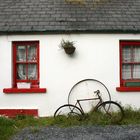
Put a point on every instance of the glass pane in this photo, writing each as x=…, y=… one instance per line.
x=21, y=72
x=136, y=72
x=21, y=53
x=126, y=54
x=32, y=72
x=136, y=54
x=126, y=72
x=32, y=53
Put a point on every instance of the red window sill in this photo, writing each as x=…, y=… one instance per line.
x=128, y=89
x=25, y=90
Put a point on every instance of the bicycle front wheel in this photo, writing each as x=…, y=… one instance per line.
x=84, y=89
x=111, y=111
x=68, y=111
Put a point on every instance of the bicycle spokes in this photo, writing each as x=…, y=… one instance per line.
x=111, y=111
x=67, y=110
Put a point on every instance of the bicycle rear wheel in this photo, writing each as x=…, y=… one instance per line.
x=111, y=111
x=68, y=111
x=84, y=89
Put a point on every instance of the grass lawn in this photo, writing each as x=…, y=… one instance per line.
x=9, y=127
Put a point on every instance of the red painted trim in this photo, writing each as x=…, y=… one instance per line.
x=14, y=65
x=15, y=112
x=124, y=43
x=130, y=42
x=15, y=62
x=128, y=89
x=38, y=61
x=121, y=64
x=31, y=90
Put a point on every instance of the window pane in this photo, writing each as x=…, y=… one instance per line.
x=32, y=53
x=126, y=72
x=32, y=71
x=126, y=54
x=136, y=54
x=21, y=53
x=21, y=72
x=136, y=72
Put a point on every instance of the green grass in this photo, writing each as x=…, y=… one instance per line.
x=9, y=127
x=132, y=116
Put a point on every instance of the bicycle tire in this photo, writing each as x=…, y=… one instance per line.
x=79, y=89
x=112, y=111
x=71, y=110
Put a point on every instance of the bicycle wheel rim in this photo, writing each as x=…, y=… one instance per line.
x=67, y=109
x=111, y=111
x=90, y=85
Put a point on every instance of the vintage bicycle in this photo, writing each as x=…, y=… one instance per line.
x=82, y=100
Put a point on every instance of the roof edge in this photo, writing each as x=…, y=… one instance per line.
x=70, y=32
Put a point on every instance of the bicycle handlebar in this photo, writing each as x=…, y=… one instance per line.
x=97, y=92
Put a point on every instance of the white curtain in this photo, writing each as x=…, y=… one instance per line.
x=130, y=71
x=136, y=72
x=126, y=54
x=32, y=68
x=32, y=53
x=21, y=71
x=126, y=71
x=136, y=54
x=21, y=53
x=32, y=71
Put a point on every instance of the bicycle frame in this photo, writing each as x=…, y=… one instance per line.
x=88, y=99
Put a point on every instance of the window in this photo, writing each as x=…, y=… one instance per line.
x=25, y=67
x=129, y=66
x=26, y=63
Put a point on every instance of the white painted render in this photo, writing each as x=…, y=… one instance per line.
x=96, y=56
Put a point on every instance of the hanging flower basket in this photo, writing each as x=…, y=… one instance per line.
x=69, y=50
x=68, y=46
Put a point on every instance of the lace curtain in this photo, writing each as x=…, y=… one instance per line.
x=21, y=53
x=23, y=74
x=131, y=54
x=32, y=52
x=26, y=71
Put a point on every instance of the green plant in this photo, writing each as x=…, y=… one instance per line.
x=68, y=46
x=131, y=116
x=34, y=129
x=7, y=128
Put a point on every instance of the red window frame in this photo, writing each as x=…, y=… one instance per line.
x=34, y=83
x=123, y=87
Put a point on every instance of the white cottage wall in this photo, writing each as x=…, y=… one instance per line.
x=96, y=56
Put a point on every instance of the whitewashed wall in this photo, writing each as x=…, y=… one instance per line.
x=96, y=56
